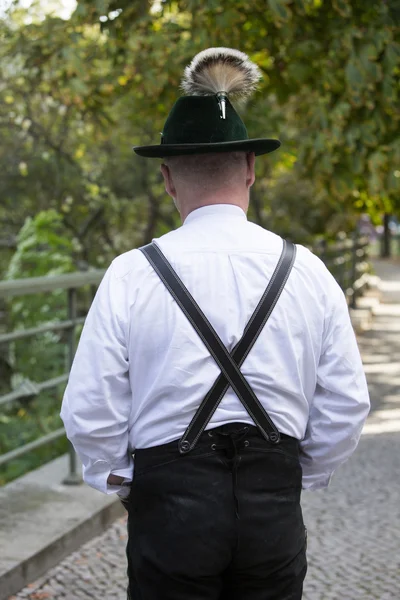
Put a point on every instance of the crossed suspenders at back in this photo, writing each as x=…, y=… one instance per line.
x=228, y=363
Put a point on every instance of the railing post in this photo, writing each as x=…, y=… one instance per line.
x=386, y=237
x=320, y=249
x=72, y=314
x=73, y=477
x=354, y=256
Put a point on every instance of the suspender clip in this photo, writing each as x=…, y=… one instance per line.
x=274, y=437
x=184, y=447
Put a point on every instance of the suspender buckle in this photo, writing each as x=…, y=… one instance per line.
x=184, y=446
x=274, y=437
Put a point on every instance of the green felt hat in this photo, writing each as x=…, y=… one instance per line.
x=205, y=120
x=195, y=126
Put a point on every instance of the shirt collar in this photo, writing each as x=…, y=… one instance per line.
x=224, y=210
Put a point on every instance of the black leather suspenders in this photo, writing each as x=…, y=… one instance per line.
x=228, y=363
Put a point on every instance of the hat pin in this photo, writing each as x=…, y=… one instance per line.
x=222, y=96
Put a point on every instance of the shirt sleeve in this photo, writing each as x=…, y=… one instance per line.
x=341, y=401
x=97, y=401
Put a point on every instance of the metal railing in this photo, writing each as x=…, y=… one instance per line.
x=29, y=389
x=346, y=258
x=393, y=246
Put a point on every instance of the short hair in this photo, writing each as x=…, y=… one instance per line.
x=208, y=171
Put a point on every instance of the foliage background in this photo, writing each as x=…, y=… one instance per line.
x=77, y=93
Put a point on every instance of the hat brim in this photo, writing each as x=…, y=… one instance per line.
x=258, y=146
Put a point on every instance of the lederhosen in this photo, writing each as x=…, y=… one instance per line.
x=173, y=471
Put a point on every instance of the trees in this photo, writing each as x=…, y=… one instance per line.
x=331, y=77
x=62, y=146
x=77, y=94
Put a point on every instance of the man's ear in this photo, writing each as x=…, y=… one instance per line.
x=251, y=162
x=169, y=184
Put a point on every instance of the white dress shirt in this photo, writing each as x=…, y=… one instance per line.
x=141, y=370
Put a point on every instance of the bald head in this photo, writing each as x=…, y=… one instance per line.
x=203, y=179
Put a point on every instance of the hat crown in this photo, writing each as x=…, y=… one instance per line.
x=204, y=120
x=198, y=120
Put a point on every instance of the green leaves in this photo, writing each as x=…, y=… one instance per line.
x=392, y=55
x=343, y=7
x=92, y=90
x=43, y=248
x=280, y=9
x=354, y=75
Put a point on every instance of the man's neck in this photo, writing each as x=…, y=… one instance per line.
x=186, y=207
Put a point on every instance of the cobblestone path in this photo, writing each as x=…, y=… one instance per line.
x=354, y=540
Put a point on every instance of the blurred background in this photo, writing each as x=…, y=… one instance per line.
x=81, y=82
